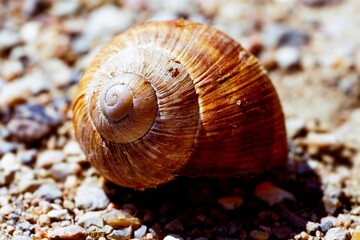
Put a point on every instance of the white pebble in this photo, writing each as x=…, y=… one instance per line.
x=287, y=56
x=104, y=22
x=30, y=31
x=9, y=38
x=57, y=72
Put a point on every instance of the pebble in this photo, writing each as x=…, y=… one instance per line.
x=64, y=8
x=287, y=57
x=119, y=218
x=38, y=112
x=174, y=226
x=8, y=38
x=312, y=227
x=60, y=171
x=326, y=226
x=173, y=237
x=294, y=126
x=272, y=194
x=91, y=198
x=230, y=203
x=48, y=158
x=72, y=232
x=30, y=31
x=49, y=192
x=6, y=147
x=293, y=37
x=9, y=163
x=259, y=235
x=59, y=214
x=22, y=238
x=43, y=220
x=95, y=232
x=107, y=20
x=28, y=156
x=91, y=219
x=14, y=92
x=337, y=234
x=28, y=130
x=57, y=72
x=11, y=69
x=140, y=232
x=121, y=234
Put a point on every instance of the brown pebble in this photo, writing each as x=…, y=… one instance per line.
x=72, y=232
x=118, y=218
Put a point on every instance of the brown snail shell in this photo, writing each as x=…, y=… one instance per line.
x=177, y=98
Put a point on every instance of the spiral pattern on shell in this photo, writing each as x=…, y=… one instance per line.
x=177, y=98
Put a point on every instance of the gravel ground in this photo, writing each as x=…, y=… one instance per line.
x=311, y=49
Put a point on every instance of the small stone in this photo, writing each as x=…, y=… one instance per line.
x=49, y=192
x=8, y=38
x=337, y=234
x=11, y=69
x=140, y=232
x=121, y=234
x=95, y=232
x=106, y=21
x=64, y=8
x=230, y=203
x=72, y=148
x=48, y=158
x=174, y=226
x=28, y=156
x=91, y=219
x=59, y=214
x=30, y=31
x=60, y=171
x=173, y=237
x=22, y=238
x=91, y=198
x=312, y=227
x=326, y=226
x=6, y=147
x=287, y=57
x=57, y=71
x=9, y=163
x=118, y=218
x=294, y=126
x=259, y=235
x=293, y=37
x=272, y=194
x=28, y=130
x=72, y=232
x=43, y=220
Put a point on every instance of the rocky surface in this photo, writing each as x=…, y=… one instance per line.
x=311, y=49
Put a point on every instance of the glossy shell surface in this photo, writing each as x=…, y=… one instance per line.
x=202, y=106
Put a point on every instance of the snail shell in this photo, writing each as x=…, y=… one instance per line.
x=177, y=98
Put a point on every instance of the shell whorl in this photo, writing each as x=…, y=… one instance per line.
x=116, y=101
x=186, y=82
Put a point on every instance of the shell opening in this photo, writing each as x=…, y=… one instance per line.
x=116, y=101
